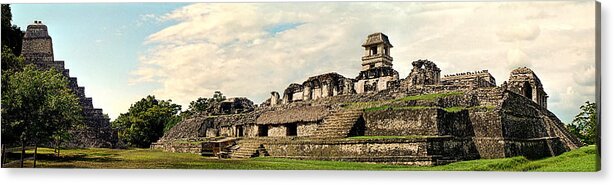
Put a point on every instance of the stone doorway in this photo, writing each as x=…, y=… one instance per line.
x=263, y=131
x=527, y=90
x=240, y=131
x=291, y=129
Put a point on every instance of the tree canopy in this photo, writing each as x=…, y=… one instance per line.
x=12, y=35
x=202, y=104
x=146, y=121
x=37, y=105
x=584, y=125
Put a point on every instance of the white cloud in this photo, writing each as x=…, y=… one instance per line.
x=231, y=47
x=518, y=32
x=517, y=58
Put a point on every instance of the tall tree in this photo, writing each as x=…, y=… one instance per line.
x=146, y=120
x=37, y=105
x=584, y=125
x=12, y=35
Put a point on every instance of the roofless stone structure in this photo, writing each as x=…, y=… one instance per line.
x=423, y=119
x=37, y=49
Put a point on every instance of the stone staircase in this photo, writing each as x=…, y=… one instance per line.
x=338, y=124
x=247, y=148
x=490, y=96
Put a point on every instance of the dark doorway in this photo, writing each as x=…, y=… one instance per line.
x=359, y=127
x=528, y=91
x=263, y=131
x=240, y=131
x=291, y=129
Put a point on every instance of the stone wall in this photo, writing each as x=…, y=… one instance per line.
x=525, y=118
x=277, y=131
x=473, y=79
x=179, y=146
x=395, y=151
x=251, y=130
x=401, y=122
x=228, y=131
x=421, y=122
x=307, y=129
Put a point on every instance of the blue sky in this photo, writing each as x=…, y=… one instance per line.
x=99, y=43
x=123, y=52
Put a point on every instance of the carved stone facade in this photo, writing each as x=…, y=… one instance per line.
x=424, y=72
x=470, y=79
x=37, y=49
x=523, y=81
x=316, y=87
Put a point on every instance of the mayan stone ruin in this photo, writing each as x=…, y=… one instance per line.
x=37, y=49
x=423, y=119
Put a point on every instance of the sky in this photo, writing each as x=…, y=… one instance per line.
x=182, y=51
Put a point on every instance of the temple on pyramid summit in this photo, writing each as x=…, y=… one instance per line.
x=37, y=49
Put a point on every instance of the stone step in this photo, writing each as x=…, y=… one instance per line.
x=345, y=115
x=338, y=124
x=339, y=121
x=247, y=148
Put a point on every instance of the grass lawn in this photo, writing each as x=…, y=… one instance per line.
x=582, y=159
x=381, y=105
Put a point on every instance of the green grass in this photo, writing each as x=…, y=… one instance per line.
x=382, y=105
x=386, y=107
x=582, y=159
x=433, y=96
x=447, y=109
x=454, y=109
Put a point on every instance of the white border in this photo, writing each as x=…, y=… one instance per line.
x=193, y=177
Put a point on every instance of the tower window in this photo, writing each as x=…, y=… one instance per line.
x=374, y=50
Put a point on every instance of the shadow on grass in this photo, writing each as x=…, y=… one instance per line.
x=94, y=157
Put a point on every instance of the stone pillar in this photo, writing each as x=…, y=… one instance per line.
x=325, y=90
x=286, y=99
x=307, y=92
x=274, y=98
x=360, y=86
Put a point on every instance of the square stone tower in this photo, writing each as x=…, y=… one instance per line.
x=377, y=73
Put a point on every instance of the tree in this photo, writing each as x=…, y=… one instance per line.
x=12, y=35
x=36, y=105
x=146, y=120
x=203, y=104
x=11, y=62
x=10, y=65
x=218, y=96
x=584, y=125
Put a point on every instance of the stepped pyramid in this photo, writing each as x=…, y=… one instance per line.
x=37, y=49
